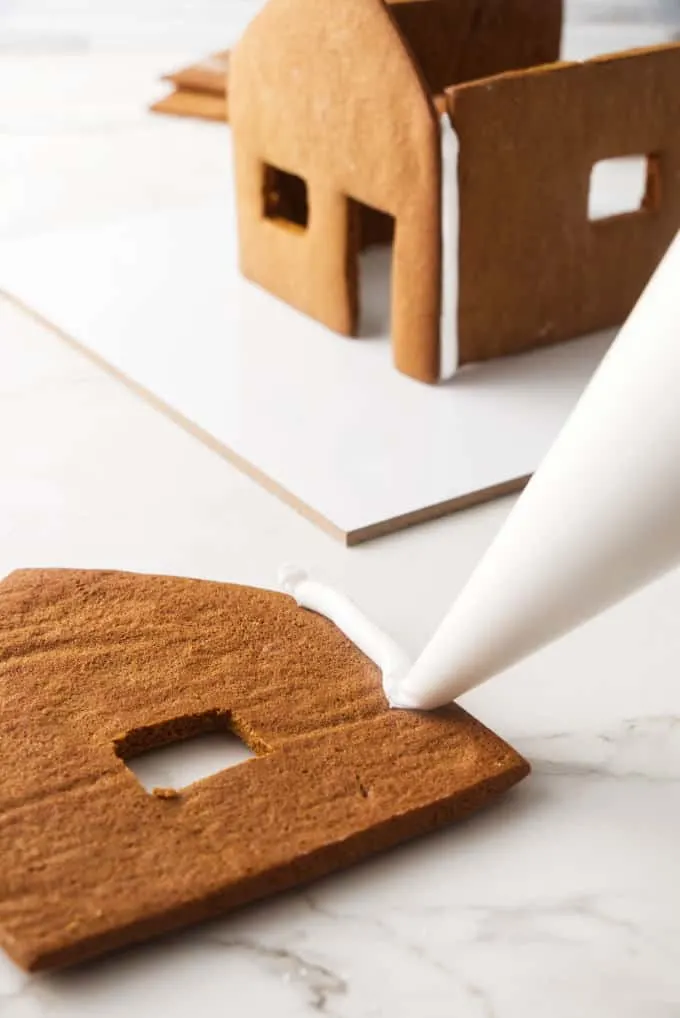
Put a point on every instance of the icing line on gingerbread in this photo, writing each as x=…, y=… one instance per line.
x=351, y=620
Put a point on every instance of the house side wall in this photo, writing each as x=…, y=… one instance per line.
x=534, y=269
x=459, y=40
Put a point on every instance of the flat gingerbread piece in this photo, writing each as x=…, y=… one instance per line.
x=97, y=666
x=185, y=103
x=200, y=90
x=207, y=75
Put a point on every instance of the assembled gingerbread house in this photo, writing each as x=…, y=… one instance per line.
x=446, y=129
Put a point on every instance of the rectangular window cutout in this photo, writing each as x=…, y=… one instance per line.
x=168, y=757
x=621, y=186
x=285, y=198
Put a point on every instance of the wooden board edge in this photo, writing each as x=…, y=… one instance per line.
x=435, y=512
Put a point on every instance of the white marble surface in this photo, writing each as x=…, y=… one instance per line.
x=564, y=900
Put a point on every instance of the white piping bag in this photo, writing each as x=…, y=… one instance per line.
x=599, y=519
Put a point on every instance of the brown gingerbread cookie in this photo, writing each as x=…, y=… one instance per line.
x=200, y=89
x=325, y=98
x=534, y=268
x=459, y=40
x=95, y=667
x=337, y=103
x=185, y=103
x=206, y=75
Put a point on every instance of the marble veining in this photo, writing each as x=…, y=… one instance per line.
x=318, y=984
x=647, y=748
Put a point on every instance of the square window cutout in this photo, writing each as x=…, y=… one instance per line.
x=285, y=198
x=172, y=765
x=621, y=186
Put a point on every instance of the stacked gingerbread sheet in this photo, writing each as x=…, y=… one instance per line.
x=200, y=90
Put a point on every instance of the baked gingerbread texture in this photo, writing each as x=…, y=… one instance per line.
x=337, y=113
x=183, y=102
x=200, y=90
x=528, y=144
x=208, y=75
x=331, y=95
x=96, y=667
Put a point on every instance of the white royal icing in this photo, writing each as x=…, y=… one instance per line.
x=376, y=645
x=450, y=212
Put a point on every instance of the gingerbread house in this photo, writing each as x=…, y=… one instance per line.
x=447, y=129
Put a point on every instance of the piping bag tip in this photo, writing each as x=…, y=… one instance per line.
x=401, y=698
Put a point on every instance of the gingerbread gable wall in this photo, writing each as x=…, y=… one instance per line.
x=97, y=666
x=328, y=92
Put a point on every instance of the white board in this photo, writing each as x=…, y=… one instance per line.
x=325, y=422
